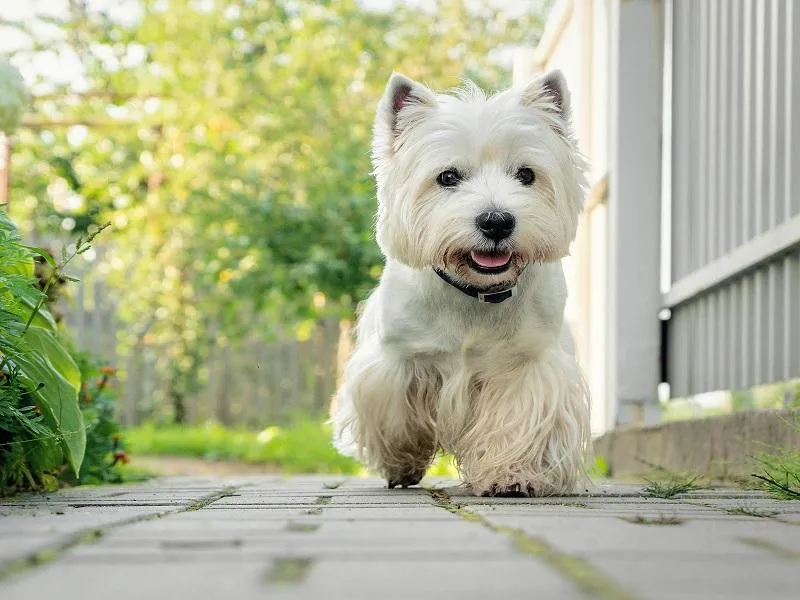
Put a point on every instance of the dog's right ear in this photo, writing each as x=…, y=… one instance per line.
x=403, y=103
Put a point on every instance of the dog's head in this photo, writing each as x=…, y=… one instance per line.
x=478, y=186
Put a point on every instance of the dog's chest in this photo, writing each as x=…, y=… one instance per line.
x=452, y=340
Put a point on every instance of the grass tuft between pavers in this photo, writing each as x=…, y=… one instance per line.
x=750, y=511
x=772, y=548
x=660, y=520
x=302, y=527
x=672, y=485
x=288, y=571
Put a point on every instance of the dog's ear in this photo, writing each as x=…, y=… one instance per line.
x=549, y=91
x=403, y=94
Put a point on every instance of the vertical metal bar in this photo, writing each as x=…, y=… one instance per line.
x=710, y=129
x=777, y=113
x=746, y=337
x=761, y=327
x=667, y=134
x=678, y=353
x=722, y=379
x=792, y=325
x=761, y=188
x=702, y=201
x=747, y=121
x=735, y=328
x=722, y=217
x=711, y=341
x=734, y=126
x=775, y=317
x=681, y=130
x=792, y=125
x=698, y=339
x=757, y=327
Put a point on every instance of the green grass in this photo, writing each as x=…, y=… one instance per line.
x=671, y=485
x=751, y=511
x=780, y=470
x=303, y=447
x=780, y=474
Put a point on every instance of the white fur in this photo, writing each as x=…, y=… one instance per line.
x=434, y=368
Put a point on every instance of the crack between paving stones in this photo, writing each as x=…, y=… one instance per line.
x=578, y=571
x=771, y=547
x=50, y=553
x=746, y=511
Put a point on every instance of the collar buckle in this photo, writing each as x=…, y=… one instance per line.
x=497, y=297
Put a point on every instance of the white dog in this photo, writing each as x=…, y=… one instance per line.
x=462, y=345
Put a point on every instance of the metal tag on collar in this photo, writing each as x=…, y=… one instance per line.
x=493, y=297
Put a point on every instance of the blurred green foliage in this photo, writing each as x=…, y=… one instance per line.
x=228, y=143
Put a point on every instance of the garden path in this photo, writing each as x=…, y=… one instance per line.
x=343, y=538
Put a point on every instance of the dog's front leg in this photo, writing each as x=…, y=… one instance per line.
x=386, y=411
x=527, y=429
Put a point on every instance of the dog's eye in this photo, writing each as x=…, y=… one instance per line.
x=526, y=176
x=449, y=178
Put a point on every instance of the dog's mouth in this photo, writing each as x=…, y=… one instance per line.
x=489, y=262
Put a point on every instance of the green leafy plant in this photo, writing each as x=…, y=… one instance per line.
x=29, y=450
x=104, y=454
x=42, y=424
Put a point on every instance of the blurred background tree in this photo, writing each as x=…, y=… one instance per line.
x=228, y=144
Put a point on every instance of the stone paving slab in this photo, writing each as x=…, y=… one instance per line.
x=331, y=537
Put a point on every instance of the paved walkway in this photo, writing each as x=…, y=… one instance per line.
x=351, y=539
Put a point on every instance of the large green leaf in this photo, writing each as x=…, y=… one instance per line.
x=53, y=378
x=30, y=296
x=48, y=344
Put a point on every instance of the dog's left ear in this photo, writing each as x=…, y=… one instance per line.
x=549, y=91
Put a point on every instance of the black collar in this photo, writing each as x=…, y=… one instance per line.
x=482, y=296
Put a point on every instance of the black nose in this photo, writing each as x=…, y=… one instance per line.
x=496, y=225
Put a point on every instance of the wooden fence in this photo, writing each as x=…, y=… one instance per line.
x=253, y=382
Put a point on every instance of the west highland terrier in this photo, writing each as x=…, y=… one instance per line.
x=462, y=346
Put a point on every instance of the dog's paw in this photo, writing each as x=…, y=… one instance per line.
x=515, y=490
x=405, y=480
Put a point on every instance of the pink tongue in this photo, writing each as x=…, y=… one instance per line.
x=490, y=260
